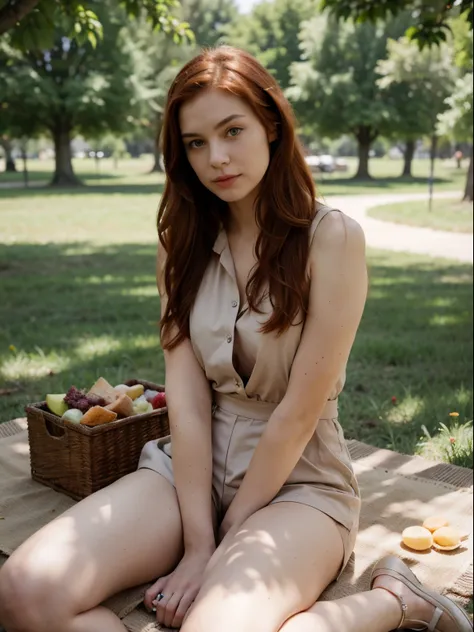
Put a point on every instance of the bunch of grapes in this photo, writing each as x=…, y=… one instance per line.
x=79, y=399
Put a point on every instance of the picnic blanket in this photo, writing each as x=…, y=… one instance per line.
x=397, y=491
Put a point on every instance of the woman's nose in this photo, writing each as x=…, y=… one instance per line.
x=218, y=155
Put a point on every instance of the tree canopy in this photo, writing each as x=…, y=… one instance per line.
x=32, y=23
x=431, y=19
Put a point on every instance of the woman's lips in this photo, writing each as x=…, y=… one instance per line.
x=228, y=182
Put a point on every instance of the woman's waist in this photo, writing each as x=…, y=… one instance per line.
x=258, y=409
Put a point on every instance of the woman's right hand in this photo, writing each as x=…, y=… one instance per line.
x=179, y=588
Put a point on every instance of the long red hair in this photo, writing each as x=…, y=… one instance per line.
x=190, y=216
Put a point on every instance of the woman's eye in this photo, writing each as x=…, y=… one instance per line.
x=194, y=144
x=234, y=131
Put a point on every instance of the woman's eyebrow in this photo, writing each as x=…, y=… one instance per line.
x=220, y=124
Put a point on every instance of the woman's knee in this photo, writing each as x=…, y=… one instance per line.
x=30, y=600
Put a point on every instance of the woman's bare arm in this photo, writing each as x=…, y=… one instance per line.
x=188, y=396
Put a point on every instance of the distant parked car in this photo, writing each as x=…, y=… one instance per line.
x=326, y=164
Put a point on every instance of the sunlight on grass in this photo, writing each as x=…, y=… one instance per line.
x=444, y=319
x=23, y=365
x=140, y=291
x=449, y=215
x=405, y=410
x=95, y=346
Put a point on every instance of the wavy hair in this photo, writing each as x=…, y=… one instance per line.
x=190, y=216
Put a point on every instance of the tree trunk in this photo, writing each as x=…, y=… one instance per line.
x=63, y=174
x=9, y=161
x=365, y=138
x=157, y=166
x=433, y=148
x=25, y=165
x=408, y=154
x=157, y=153
x=468, y=189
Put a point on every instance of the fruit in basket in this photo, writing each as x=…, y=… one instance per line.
x=141, y=406
x=135, y=391
x=74, y=415
x=98, y=415
x=56, y=403
x=121, y=388
x=76, y=398
x=159, y=401
x=104, y=390
x=123, y=406
x=150, y=394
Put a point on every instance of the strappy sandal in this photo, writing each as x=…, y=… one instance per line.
x=456, y=619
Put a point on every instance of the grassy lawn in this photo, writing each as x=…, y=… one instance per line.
x=385, y=173
x=79, y=301
x=452, y=215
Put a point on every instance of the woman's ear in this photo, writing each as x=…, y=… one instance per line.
x=273, y=134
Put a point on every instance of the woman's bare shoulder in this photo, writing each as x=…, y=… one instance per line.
x=336, y=230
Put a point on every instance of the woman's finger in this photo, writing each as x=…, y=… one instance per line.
x=170, y=609
x=161, y=604
x=183, y=609
x=153, y=591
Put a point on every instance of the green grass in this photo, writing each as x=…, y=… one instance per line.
x=451, y=215
x=134, y=173
x=79, y=301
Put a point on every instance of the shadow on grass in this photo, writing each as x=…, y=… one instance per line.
x=128, y=189
x=376, y=183
x=71, y=317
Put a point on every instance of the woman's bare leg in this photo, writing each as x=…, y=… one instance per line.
x=122, y=536
x=275, y=565
x=378, y=610
x=372, y=611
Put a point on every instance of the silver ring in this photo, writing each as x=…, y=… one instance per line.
x=158, y=597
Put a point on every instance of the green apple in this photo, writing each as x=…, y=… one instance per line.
x=73, y=414
x=56, y=403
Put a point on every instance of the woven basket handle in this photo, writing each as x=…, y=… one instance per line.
x=54, y=429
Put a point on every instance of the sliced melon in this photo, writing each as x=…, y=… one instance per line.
x=56, y=403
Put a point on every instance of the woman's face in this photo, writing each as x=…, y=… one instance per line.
x=223, y=138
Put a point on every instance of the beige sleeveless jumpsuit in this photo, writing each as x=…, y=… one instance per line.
x=249, y=372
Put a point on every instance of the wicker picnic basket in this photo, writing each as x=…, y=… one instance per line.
x=78, y=460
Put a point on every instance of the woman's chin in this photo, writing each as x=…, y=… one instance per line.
x=230, y=196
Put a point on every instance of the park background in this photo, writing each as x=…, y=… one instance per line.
x=387, y=91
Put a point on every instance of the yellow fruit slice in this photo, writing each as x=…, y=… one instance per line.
x=135, y=391
x=56, y=403
x=417, y=538
x=435, y=522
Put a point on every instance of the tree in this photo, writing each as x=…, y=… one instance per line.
x=15, y=121
x=158, y=59
x=457, y=121
x=431, y=18
x=32, y=24
x=73, y=88
x=417, y=82
x=433, y=23
x=270, y=32
x=336, y=91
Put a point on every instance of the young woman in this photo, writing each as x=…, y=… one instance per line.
x=252, y=508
